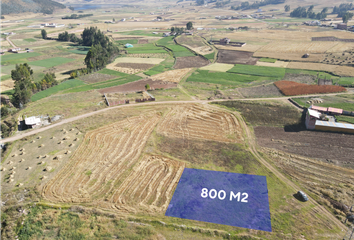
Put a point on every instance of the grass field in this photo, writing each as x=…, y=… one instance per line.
x=142, y=32
x=273, y=72
x=219, y=67
x=227, y=79
x=79, y=50
x=210, y=56
x=30, y=40
x=13, y=57
x=178, y=51
x=311, y=72
x=163, y=66
x=145, y=48
x=112, y=72
x=346, y=81
x=105, y=84
x=63, y=86
x=51, y=62
x=271, y=60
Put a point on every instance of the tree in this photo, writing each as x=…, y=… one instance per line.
x=287, y=8
x=324, y=10
x=147, y=87
x=23, y=84
x=310, y=8
x=44, y=34
x=172, y=29
x=189, y=25
x=347, y=16
x=114, y=20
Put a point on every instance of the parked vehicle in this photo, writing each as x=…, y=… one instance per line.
x=303, y=196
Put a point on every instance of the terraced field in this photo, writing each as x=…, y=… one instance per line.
x=198, y=122
x=106, y=170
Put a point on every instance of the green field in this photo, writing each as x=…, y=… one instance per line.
x=105, y=84
x=114, y=73
x=310, y=72
x=63, y=86
x=227, y=79
x=30, y=40
x=210, y=56
x=143, y=33
x=145, y=48
x=166, y=41
x=346, y=81
x=163, y=66
x=51, y=62
x=79, y=50
x=271, y=60
x=11, y=57
x=273, y=72
x=5, y=77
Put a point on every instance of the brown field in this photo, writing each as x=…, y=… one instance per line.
x=196, y=122
x=339, y=70
x=294, y=47
x=139, y=66
x=234, y=57
x=189, y=62
x=138, y=86
x=330, y=185
x=290, y=88
x=325, y=146
x=7, y=85
x=247, y=48
x=96, y=77
x=268, y=90
x=290, y=56
x=106, y=170
x=174, y=76
x=278, y=63
x=195, y=43
x=143, y=41
x=147, y=55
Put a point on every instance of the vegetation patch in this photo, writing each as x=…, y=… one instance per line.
x=63, y=86
x=145, y=48
x=51, y=62
x=13, y=56
x=271, y=60
x=273, y=72
x=210, y=56
x=223, y=78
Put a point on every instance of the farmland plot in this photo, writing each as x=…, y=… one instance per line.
x=294, y=47
x=289, y=88
x=188, y=62
x=218, y=67
x=233, y=57
x=195, y=43
x=106, y=170
x=171, y=76
x=196, y=122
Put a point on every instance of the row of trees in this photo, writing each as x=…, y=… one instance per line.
x=257, y=4
x=77, y=16
x=66, y=37
x=24, y=85
x=301, y=12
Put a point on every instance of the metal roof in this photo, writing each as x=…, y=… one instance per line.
x=323, y=109
x=32, y=120
x=334, y=124
x=314, y=113
x=335, y=110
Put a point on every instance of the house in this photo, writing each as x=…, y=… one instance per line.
x=224, y=41
x=311, y=117
x=334, y=126
x=166, y=34
x=319, y=109
x=14, y=50
x=128, y=45
x=342, y=26
x=189, y=33
x=32, y=122
x=325, y=82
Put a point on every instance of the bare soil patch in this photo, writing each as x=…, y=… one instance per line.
x=143, y=41
x=332, y=39
x=96, y=77
x=260, y=91
x=138, y=86
x=140, y=66
x=171, y=76
x=189, y=62
x=234, y=57
x=325, y=146
x=300, y=78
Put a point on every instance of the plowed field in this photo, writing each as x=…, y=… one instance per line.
x=234, y=57
x=290, y=88
x=188, y=62
x=106, y=170
x=198, y=122
x=171, y=76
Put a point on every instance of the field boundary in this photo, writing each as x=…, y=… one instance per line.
x=197, y=54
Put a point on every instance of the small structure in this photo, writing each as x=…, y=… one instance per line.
x=311, y=117
x=342, y=26
x=306, y=55
x=166, y=34
x=32, y=122
x=224, y=41
x=334, y=111
x=14, y=50
x=128, y=45
x=334, y=126
x=325, y=82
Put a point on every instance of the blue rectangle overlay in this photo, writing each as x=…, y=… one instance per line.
x=239, y=200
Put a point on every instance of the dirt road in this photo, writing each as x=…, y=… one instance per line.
x=11, y=43
x=22, y=135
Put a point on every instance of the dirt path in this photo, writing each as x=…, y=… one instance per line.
x=22, y=135
x=11, y=43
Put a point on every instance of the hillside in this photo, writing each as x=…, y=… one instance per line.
x=18, y=6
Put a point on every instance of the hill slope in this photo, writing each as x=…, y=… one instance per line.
x=18, y=6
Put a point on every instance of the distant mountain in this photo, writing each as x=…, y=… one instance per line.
x=19, y=6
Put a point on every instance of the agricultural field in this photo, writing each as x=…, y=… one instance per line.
x=289, y=88
x=263, y=91
x=236, y=57
x=218, y=67
x=96, y=77
x=190, y=62
x=174, y=76
x=272, y=72
x=195, y=43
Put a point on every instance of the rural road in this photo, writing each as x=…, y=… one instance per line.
x=68, y=120
x=11, y=43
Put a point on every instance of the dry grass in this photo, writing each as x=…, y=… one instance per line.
x=276, y=64
x=290, y=56
x=248, y=47
x=298, y=47
x=218, y=67
x=7, y=85
x=171, y=76
x=112, y=65
x=339, y=70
